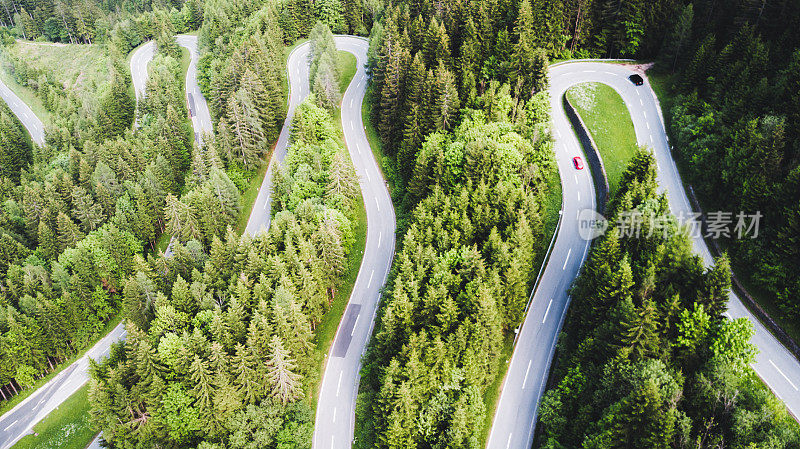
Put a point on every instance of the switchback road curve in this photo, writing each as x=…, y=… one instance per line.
x=20, y=420
x=515, y=417
x=196, y=103
x=336, y=405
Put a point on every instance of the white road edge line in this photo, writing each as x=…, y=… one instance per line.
x=784, y=375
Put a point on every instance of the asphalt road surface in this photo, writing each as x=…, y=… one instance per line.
x=515, y=417
x=19, y=421
x=196, y=103
x=139, y=60
x=297, y=67
x=24, y=113
x=335, y=418
x=198, y=108
x=336, y=407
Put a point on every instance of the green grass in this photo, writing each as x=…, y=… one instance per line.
x=83, y=69
x=26, y=94
x=610, y=125
x=346, y=64
x=66, y=427
x=248, y=197
x=186, y=59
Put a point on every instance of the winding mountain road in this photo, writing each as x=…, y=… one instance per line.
x=24, y=113
x=336, y=405
x=196, y=103
x=19, y=421
x=515, y=417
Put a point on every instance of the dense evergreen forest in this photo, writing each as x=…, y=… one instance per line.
x=736, y=124
x=220, y=356
x=77, y=221
x=219, y=334
x=91, y=21
x=648, y=359
x=462, y=275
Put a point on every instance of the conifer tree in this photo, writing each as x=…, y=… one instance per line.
x=285, y=383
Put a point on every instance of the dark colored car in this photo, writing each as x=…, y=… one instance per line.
x=578, y=163
x=636, y=79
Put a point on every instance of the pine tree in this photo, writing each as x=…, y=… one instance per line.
x=117, y=107
x=530, y=62
x=447, y=102
x=285, y=383
x=245, y=129
x=48, y=242
x=246, y=378
x=15, y=150
x=68, y=233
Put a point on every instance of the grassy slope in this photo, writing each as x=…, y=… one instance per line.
x=67, y=427
x=26, y=94
x=662, y=87
x=346, y=64
x=81, y=68
x=609, y=122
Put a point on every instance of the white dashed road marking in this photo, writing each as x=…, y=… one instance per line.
x=547, y=311
x=525, y=380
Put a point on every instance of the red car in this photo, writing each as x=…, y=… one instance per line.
x=578, y=163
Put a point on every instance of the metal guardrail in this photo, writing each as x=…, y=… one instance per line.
x=541, y=269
